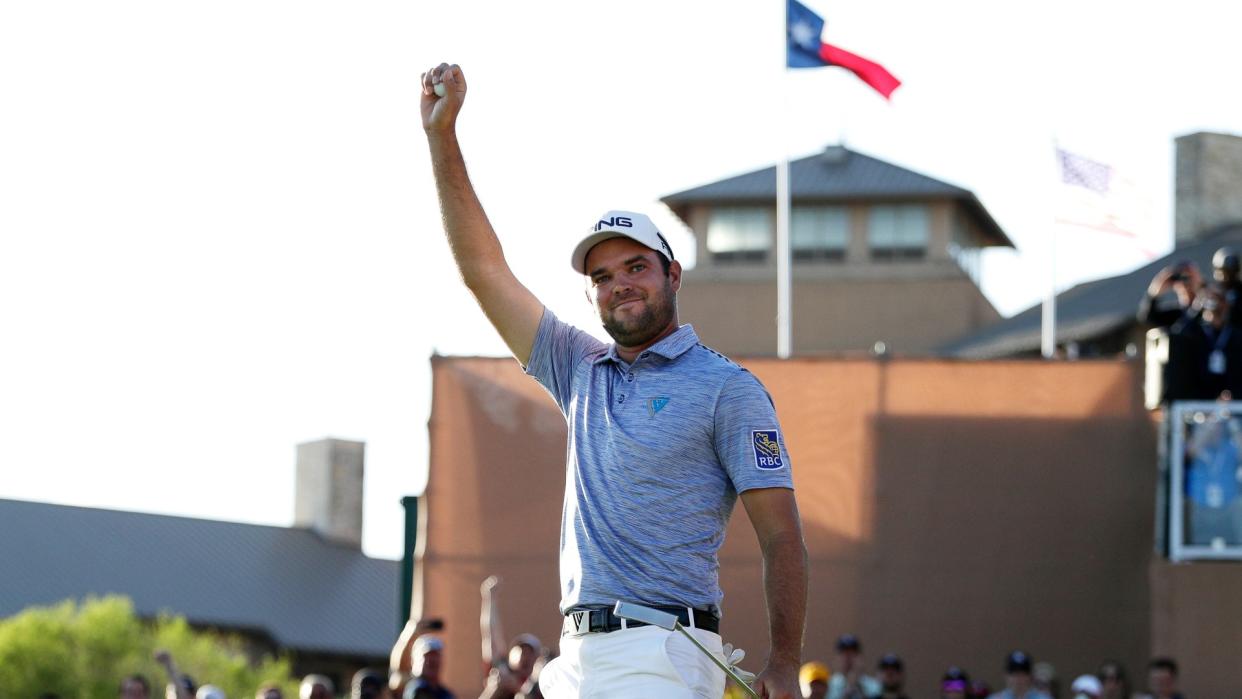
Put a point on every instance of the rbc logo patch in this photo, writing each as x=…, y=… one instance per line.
x=767, y=444
x=657, y=404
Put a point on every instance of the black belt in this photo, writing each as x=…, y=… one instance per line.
x=584, y=621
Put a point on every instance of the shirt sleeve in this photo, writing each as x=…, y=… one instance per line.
x=748, y=438
x=559, y=348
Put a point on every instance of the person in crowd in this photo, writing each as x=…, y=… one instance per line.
x=1114, y=683
x=1184, y=280
x=1217, y=349
x=269, y=690
x=955, y=684
x=316, y=687
x=511, y=667
x=1086, y=687
x=1019, y=684
x=1162, y=679
x=1044, y=679
x=401, y=659
x=428, y=664
x=1225, y=266
x=1182, y=377
x=368, y=683
x=1213, y=492
x=892, y=673
x=849, y=681
x=134, y=687
x=180, y=685
x=813, y=679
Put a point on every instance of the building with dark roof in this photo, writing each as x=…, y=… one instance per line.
x=306, y=590
x=1099, y=318
x=880, y=253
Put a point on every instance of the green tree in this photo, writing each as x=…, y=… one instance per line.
x=83, y=651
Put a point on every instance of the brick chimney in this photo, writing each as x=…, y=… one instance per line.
x=328, y=493
x=1208, y=182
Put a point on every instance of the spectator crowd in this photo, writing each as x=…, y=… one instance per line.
x=1023, y=679
x=511, y=671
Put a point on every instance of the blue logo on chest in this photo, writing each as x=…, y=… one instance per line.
x=657, y=404
x=767, y=445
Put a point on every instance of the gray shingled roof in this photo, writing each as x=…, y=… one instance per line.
x=1090, y=309
x=307, y=594
x=837, y=174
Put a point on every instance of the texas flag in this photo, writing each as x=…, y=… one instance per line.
x=804, y=49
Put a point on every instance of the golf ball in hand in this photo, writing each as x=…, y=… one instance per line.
x=440, y=89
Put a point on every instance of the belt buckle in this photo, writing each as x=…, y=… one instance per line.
x=577, y=623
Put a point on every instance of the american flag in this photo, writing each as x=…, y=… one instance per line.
x=1084, y=172
x=1097, y=196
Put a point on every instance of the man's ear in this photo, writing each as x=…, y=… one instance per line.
x=674, y=275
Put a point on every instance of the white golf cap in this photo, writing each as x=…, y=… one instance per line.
x=1088, y=685
x=210, y=691
x=620, y=224
x=426, y=644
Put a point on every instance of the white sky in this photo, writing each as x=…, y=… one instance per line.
x=219, y=237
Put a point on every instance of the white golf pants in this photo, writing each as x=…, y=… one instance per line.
x=644, y=663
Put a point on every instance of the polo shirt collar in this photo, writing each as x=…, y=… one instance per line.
x=671, y=347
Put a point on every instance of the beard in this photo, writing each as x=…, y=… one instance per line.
x=634, y=330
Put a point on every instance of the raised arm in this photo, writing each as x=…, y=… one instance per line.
x=774, y=514
x=511, y=308
x=165, y=659
x=494, y=651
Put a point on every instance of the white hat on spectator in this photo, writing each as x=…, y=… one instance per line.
x=1087, y=687
x=210, y=691
x=427, y=643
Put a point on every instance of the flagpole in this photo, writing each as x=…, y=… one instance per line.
x=784, y=282
x=1048, y=341
x=1048, y=344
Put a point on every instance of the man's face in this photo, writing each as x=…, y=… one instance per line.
x=522, y=659
x=817, y=690
x=1018, y=681
x=1161, y=681
x=635, y=300
x=1111, y=679
x=428, y=666
x=892, y=678
x=847, y=658
x=132, y=690
x=1215, y=310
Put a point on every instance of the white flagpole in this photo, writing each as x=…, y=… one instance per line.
x=1048, y=341
x=783, y=281
x=1048, y=344
x=784, y=286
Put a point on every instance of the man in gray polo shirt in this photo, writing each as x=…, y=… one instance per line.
x=664, y=436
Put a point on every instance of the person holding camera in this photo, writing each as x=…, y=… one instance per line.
x=415, y=666
x=1184, y=280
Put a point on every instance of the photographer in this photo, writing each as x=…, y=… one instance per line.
x=1185, y=281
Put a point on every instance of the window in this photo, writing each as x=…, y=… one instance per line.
x=819, y=232
x=1204, y=494
x=897, y=231
x=739, y=233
